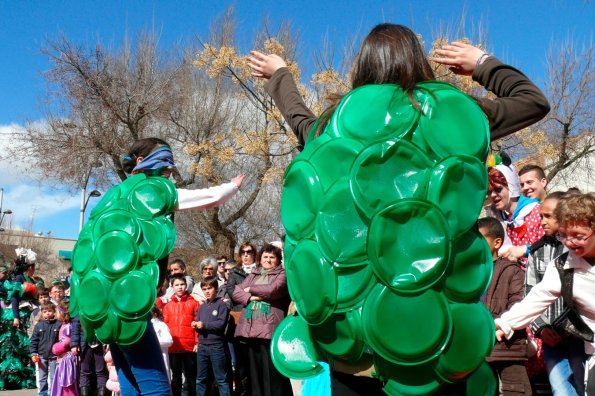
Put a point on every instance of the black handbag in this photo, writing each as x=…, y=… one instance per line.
x=569, y=322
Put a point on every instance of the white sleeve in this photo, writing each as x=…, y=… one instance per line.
x=539, y=298
x=205, y=198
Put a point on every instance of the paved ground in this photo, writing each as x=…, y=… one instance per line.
x=22, y=392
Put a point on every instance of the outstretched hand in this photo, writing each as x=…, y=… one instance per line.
x=500, y=335
x=264, y=66
x=460, y=57
x=513, y=253
x=238, y=180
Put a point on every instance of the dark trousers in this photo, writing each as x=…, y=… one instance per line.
x=590, y=391
x=183, y=362
x=241, y=368
x=92, y=364
x=512, y=378
x=265, y=380
x=350, y=385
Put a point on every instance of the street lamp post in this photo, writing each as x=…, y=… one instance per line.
x=84, y=201
x=5, y=212
x=84, y=197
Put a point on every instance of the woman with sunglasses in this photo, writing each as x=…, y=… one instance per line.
x=576, y=218
x=141, y=370
x=235, y=276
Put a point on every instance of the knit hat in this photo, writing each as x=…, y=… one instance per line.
x=511, y=178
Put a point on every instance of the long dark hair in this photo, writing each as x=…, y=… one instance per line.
x=140, y=148
x=390, y=54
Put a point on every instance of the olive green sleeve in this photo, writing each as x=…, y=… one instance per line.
x=519, y=103
x=287, y=98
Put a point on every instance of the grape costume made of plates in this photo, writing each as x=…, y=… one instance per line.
x=383, y=258
x=115, y=270
x=16, y=371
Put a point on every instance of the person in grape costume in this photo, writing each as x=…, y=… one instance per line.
x=16, y=288
x=379, y=210
x=121, y=257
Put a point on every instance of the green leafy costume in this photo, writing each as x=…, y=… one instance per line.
x=383, y=258
x=16, y=371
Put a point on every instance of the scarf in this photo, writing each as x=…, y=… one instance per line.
x=258, y=309
x=157, y=160
x=249, y=268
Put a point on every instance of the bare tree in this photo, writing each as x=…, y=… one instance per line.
x=569, y=127
x=218, y=121
x=98, y=102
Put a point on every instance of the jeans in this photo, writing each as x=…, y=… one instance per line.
x=216, y=356
x=45, y=368
x=141, y=369
x=566, y=367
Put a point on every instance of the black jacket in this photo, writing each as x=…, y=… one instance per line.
x=45, y=335
x=236, y=276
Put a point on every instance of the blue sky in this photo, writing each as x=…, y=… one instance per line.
x=519, y=32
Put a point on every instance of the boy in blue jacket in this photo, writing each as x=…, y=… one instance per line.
x=210, y=323
x=45, y=334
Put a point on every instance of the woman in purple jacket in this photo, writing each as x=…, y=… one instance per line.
x=265, y=298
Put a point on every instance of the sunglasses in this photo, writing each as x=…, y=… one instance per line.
x=221, y=262
x=246, y=252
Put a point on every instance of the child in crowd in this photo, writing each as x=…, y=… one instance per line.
x=65, y=381
x=563, y=357
x=575, y=214
x=178, y=314
x=45, y=334
x=57, y=293
x=112, y=384
x=43, y=297
x=506, y=288
x=211, y=321
x=177, y=266
x=163, y=334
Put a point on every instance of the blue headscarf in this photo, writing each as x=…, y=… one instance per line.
x=157, y=160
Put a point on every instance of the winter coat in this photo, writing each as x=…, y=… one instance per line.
x=274, y=293
x=506, y=289
x=45, y=335
x=236, y=276
x=178, y=315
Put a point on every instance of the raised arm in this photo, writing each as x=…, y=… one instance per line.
x=207, y=198
x=283, y=89
x=519, y=103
